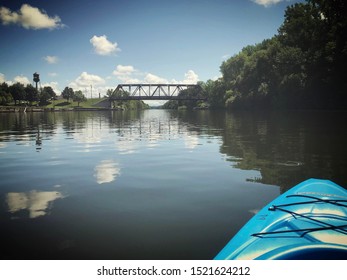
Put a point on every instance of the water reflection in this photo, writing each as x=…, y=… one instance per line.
x=106, y=171
x=87, y=133
x=88, y=128
x=179, y=175
x=126, y=146
x=37, y=203
x=285, y=148
x=191, y=140
x=152, y=128
x=38, y=140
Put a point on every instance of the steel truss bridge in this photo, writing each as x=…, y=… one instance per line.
x=155, y=92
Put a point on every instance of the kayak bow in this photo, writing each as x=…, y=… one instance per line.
x=309, y=221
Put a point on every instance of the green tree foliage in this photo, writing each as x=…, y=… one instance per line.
x=188, y=98
x=17, y=91
x=46, y=94
x=171, y=104
x=124, y=104
x=28, y=93
x=190, y=94
x=319, y=30
x=215, y=91
x=116, y=94
x=50, y=92
x=31, y=93
x=68, y=93
x=5, y=95
x=79, y=97
x=301, y=67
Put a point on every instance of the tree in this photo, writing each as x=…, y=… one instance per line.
x=31, y=93
x=17, y=91
x=79, y=97
x=215, y=91
x=109, y=94
x=301, y=67
x=50, y=92
x=190, y=94
x=117, y=94
x=5, y=96
x=44, y=97
x=67, y=93
x=46, y=94
x=318, y=29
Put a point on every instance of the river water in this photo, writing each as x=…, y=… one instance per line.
x=153, y=184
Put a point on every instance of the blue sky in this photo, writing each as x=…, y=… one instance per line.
x=103, y=43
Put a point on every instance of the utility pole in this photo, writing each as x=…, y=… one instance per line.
x=91, y=91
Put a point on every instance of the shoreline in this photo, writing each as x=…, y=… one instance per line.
x=13, y=109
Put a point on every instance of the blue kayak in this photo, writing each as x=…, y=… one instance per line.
x=309, y=221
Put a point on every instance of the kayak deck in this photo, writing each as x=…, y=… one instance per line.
x=307, y=222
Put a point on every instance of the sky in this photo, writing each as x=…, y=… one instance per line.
x=95, y=45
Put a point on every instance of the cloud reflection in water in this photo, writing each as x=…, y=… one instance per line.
x=191, y=140
x=106, y=171
x=37, y=203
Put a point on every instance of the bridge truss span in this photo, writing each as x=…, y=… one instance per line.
x=155, y=92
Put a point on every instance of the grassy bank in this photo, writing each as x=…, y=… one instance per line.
x=55, y=105
x=64, y=104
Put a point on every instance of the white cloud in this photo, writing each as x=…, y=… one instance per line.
x=215, y=78
x=25, y=81
x=51, y=59
x=128, y=74
x=129, y=80
x=54, y=86
x=190, y=77
x=2, y=78
x=153, y=79
x=86, y=80
x=124, y=73
x=21, y=79
x=124, y=70
x=103, y=46
x=18, y=79
x=267, y=3
x=52, y=74
x=30, y=18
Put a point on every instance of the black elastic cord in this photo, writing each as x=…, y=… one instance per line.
x=326, y=226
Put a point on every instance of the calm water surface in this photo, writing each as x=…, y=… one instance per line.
x=154, y=184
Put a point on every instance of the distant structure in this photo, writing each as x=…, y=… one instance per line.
x=155, y=92
x=36, y=79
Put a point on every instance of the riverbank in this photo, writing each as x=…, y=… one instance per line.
x=95, y=104
x=18, y=109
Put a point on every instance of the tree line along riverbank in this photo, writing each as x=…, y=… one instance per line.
x=301, y=67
